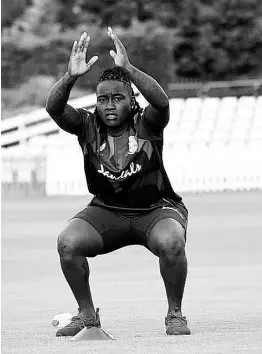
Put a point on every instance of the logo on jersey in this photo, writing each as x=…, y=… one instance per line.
x=133, y=169
x=132, y=145
x=102, y=147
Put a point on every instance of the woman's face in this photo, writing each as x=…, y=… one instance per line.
x=114, y=103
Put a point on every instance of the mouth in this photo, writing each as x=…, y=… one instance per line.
x=111, y=116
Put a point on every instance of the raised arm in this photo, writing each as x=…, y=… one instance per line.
x=67, y=117
x=158, y=110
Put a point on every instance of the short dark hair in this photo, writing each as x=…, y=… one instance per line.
x=116, y=73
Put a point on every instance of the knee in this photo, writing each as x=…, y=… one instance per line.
x=167, y=241
x=79, y=238
x=67, y=245
x=70, y=244
x=170, y=248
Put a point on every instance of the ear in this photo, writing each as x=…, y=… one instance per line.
x=133, y=102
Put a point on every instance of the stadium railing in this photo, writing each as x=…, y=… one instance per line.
x=211, y=144
x=237, y=88
x=22, y=127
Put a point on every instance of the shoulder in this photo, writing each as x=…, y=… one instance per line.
x=86, y=115
x=145, y=129
x=88, y=120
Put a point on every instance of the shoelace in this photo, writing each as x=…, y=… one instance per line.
x=76, y=321
x=81, y=322
x=178, y=316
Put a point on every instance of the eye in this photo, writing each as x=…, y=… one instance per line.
x=117, y=98
x=101, y=100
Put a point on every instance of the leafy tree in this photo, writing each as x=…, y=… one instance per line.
x=65, y=14
x=168, y=11
x=110, y=12
x=219, y=41
x=120, y=12
x=239, y=35
x=11, y=10
x=186, y=42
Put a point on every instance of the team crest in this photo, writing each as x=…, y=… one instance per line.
x=132, y=145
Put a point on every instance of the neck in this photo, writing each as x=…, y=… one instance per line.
x=118, y=131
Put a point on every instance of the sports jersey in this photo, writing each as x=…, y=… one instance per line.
x=125, y=172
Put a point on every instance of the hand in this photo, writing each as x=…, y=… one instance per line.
x=120, y=56
x=77, y=65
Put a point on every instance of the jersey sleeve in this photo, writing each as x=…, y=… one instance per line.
x=70, y=120
x=88, y=130
x=155, y=121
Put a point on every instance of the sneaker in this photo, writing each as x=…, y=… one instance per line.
x=176, y=324
x=78, y=323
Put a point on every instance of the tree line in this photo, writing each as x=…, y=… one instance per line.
x=171, y=40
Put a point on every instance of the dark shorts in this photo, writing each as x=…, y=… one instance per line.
x=120, y=228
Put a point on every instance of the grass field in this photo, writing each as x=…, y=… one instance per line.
x=223, y=295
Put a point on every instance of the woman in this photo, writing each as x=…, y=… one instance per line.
x=133, y=202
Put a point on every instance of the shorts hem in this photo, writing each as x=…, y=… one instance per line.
x=160, y=217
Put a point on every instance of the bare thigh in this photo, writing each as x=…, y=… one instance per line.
x=167, y=234
x=80, y=238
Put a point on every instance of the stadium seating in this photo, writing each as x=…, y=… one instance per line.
x=211, y=144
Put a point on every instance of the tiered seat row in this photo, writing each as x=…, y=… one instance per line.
x=211, y=144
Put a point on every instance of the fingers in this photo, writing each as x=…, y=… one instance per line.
x=110, y=32
x=112, y=53
x=118, y=44
x=92, y=61
x=74, y=48
x=86, y=44
x=81, y=45
x=81, y=42
x=111, y=35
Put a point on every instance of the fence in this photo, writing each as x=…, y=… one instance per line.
x=23, y=174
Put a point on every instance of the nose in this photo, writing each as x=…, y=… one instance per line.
x=110, y=104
